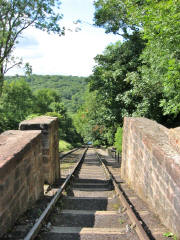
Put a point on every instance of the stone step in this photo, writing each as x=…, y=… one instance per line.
x=92, y=189
x=93, y=167
x=91, y=176
x=88, y=180
x=97, y=219
x=90, y=203
x=87, y=164
x=80, y=193
x=92, y=186
x=91, y=170
x=78, y=233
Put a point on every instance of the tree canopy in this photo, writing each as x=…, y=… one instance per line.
x=139, y=76
x=18, y=102
x=109, y=75
x=70, y=88
x=113, y=16
x=159, y=25
x=18, y=15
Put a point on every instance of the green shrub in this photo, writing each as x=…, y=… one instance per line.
x=77, y=144
x=96, y=143
x=118, y=139
x=64, y=146
x=54, y=114
x=33, y=115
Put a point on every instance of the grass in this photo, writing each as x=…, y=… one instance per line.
x=64, y=146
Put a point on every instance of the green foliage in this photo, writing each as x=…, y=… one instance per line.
x=118, y=139
x=94, y=121
x=33, y=115
x=136, y=77
x=85, y=120
x=161, y=29
x=97, y=143
x=18, y=15
x=152, y=89
x=46, y=100
x=112, y=15
x=16, y=103
x=50, y=101
x=61, y=121
x=64, y=146
x=70, y=88
x=109, y=76
x=170, y=235
x=67, y=130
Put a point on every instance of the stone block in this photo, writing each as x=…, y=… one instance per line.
x=50, y=140
x=158, y=154
x=174, y=138
x=158, y=163
x=16, y=164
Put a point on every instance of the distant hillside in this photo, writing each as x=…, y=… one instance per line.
x=71, y=88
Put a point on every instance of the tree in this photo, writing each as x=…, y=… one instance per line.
x=157, y=80
x=47, y=100
x=109, y=75
x=161, y=28
x=16, y=103
x=94, y=121
x=70, y=88
x=113, y=16
x=18, y=15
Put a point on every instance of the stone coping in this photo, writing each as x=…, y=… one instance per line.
x=42, y=122
x=156, y=138
x=13, y=145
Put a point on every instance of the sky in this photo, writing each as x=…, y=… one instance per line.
x=72, y=54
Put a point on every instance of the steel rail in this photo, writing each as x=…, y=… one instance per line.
x=35, y=229
x=135, y=222
x=71, y=151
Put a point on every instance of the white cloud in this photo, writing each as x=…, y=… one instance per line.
x=71, y=54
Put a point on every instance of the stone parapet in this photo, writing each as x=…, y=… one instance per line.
x=151, y=166
x=50, y=141
x=21, y=174
x=174, y=138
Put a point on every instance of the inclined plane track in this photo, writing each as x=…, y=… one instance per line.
x=88, y=205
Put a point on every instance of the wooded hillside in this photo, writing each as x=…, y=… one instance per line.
x=70, y=88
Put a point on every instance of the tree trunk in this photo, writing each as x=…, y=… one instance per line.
x=1, y=80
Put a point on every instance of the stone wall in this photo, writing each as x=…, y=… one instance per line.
x=151, y=166
x=21, y=174
x=49, y=127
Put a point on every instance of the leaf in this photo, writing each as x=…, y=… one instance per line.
x=168, y=234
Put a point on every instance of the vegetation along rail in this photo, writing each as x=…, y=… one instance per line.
x=90, y=204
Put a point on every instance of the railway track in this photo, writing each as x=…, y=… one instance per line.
x=88, y=205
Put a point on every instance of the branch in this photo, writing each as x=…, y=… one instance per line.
x=7, y=69
x=12, y=24
x=26, y=25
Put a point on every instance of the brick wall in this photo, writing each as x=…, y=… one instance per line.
x=151, y=165
x=49, y=127
x=21, y=179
